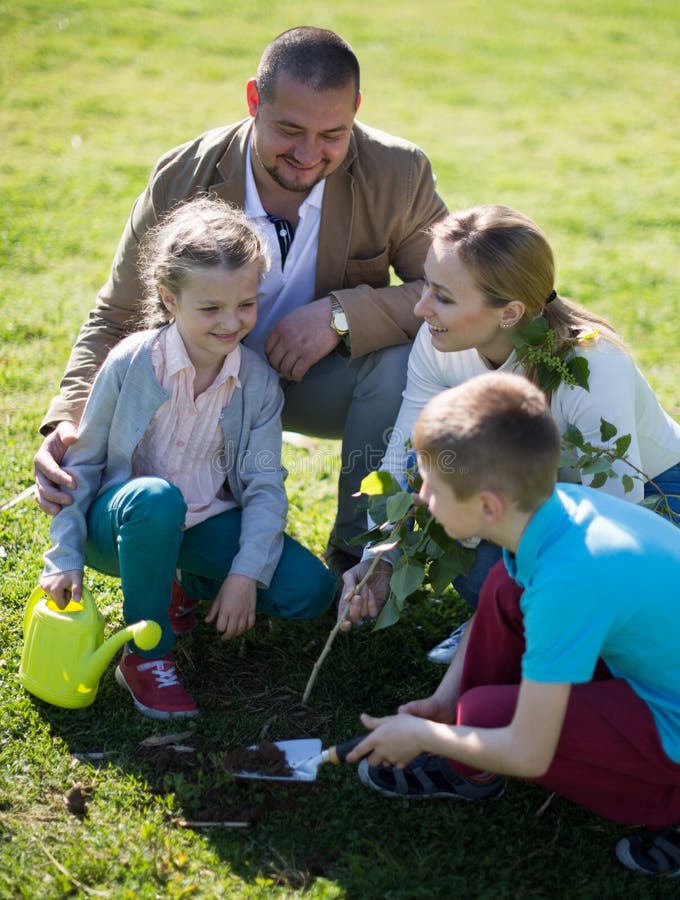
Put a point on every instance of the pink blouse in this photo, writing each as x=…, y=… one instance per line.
x=184, y=441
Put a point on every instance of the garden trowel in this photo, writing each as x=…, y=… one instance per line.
x=302, y=759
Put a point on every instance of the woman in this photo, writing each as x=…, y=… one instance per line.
x=490, y=271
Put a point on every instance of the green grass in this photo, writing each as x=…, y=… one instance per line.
x=567, y=111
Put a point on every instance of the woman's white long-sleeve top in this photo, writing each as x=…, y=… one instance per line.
x=618, y=392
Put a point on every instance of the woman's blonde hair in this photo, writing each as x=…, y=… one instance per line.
x=509, y=258
x=193, y=236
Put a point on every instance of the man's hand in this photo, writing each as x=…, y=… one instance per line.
x=233, y=610
x=49, y=476
x=64, y=586
x=301, y=339
x=371, y=599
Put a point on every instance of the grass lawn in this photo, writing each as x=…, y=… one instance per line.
x=567, y=111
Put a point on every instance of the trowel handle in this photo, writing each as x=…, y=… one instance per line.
x=338, y=754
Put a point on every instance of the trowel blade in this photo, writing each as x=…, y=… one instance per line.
x=298, y=753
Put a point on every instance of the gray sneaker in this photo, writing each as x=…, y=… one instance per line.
x=428, y=777
x=443, y=653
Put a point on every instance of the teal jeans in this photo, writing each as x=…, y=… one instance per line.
x=135, y=533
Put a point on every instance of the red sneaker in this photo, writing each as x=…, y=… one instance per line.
x=155, y=687
x=182, y=610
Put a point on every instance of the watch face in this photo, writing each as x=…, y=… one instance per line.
x=340, y=322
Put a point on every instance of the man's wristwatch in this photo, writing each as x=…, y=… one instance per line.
x=339, y=322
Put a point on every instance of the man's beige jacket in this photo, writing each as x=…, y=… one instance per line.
x=376, y=208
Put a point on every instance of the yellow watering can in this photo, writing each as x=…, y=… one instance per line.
x=65, y=654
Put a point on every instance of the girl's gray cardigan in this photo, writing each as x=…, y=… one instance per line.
x=124, y=398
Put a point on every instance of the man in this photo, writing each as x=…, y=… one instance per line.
x=339, y=204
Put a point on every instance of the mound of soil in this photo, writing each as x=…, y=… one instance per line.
x=265, y=759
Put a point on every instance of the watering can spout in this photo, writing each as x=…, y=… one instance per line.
x=146, y=634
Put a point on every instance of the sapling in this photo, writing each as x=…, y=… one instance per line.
x=426, y=554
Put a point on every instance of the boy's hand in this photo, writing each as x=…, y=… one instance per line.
x=63, y=586
x=430, y=708
x=373, y=594
x=233, y=610
x=394, y=740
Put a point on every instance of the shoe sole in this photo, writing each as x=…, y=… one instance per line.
x=441, y=659
x=148, y=711
x=365, y=778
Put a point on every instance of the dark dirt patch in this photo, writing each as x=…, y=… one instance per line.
x=201, y=780
x=172, y=759
x=265, y=759
x=76, y=799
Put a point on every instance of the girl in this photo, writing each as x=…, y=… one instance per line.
x=178, y=460
x=489, y=271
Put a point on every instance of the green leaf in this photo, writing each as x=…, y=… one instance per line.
x=421, y=515
x=414, y=479
x=414, y=541
x=548, y=379
x=607, y=430
x=439, y=536
x=398, y=505
x=442, y=571
x=597, y=464
x=572, y=436
x=628, y=483
x=622, y=444
x=568, y=457
x=379, y=483
x=407, y=577
x=377, y=508
x=533, y=333
x=389, y=614
x=432, y=549
x=366, y=537
x=579, y=368
x=599, y=480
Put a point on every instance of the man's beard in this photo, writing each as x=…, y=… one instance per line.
x=274, y=174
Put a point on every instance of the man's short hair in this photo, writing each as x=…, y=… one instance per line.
x=493, y=432
x=316, y=57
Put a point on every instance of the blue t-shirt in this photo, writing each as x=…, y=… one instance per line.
x=601, y=578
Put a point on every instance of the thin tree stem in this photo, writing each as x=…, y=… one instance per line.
x=336, y=628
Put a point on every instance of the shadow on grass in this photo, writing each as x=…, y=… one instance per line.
x=334, y=828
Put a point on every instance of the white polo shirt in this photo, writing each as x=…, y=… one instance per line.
x=283, y=289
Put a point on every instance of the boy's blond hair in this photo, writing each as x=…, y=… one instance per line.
x=494, y=432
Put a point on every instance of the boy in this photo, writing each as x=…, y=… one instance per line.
x=570, y=673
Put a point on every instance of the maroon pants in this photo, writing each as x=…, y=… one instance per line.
x=609, y=757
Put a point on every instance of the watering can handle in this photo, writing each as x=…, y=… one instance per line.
x=36, y=596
